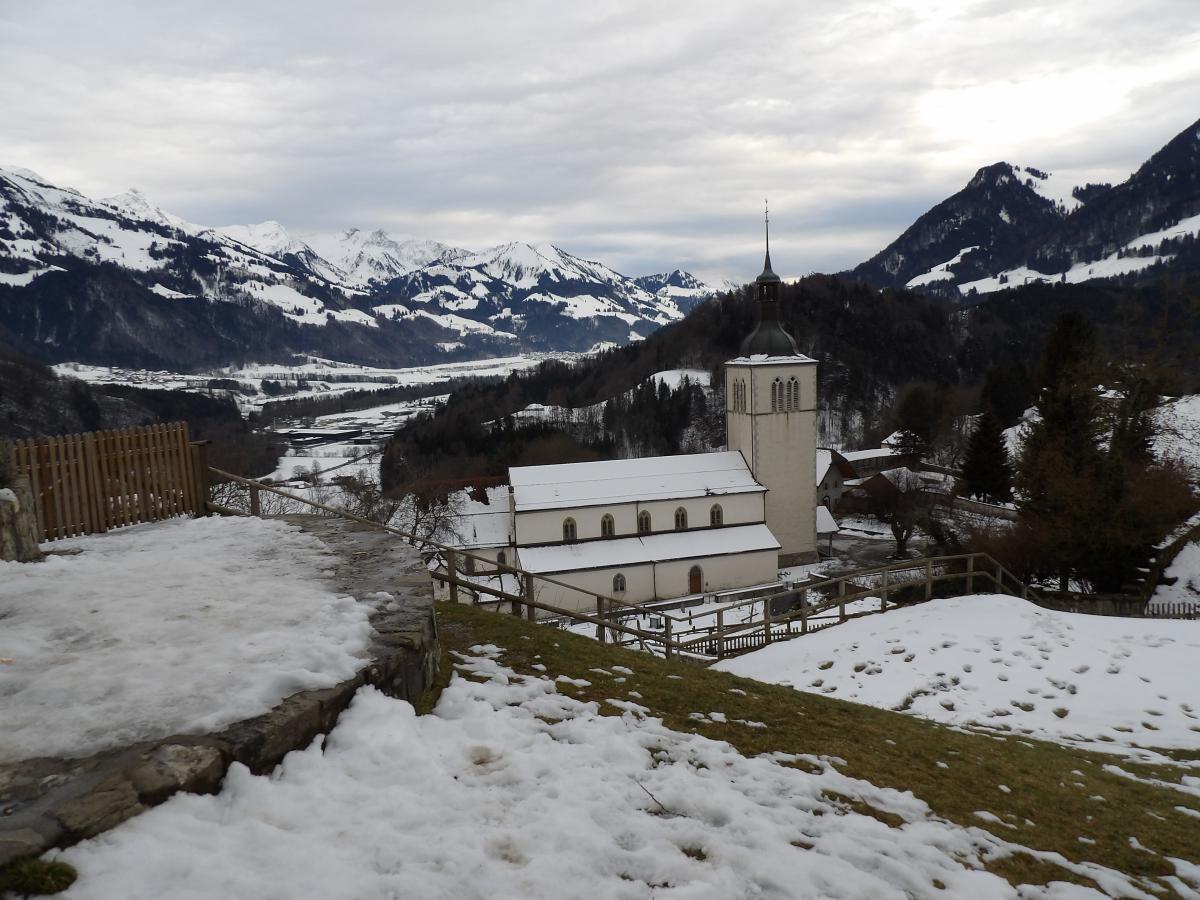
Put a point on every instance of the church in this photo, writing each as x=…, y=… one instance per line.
x=665, y=527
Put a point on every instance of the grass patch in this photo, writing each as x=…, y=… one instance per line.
x=36, y=876
x=1044, y=802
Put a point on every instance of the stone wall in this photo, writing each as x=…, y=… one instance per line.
x=49, y=803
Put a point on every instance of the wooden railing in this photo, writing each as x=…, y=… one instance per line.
x=93, y=482
x=498, y=585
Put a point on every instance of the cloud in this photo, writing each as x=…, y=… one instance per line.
x=644, y=135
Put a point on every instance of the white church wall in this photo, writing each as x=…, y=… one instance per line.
x=719, y=573
x=659, y=581
x=546, y=526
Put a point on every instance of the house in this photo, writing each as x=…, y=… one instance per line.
x=868, y=462
x=833, y=469
x=674, y=526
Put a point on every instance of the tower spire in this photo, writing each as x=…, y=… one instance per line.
x=768, y=274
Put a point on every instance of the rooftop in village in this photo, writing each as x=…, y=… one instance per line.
x=628, y=480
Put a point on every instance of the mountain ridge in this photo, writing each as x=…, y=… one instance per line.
x=381, y=300
x=1012, y=225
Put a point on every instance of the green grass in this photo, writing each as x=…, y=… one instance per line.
x=33, y=876
x=1049, y=803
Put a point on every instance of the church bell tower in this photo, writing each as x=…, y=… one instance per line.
x=771, y=417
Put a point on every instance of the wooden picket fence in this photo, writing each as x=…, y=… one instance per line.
x=93, y=482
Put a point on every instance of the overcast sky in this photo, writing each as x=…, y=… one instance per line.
x=641, y=134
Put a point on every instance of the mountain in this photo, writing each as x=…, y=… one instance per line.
x=684, y=288
x=1014, y=225
x=123, y=282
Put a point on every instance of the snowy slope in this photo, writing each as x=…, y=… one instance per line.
x=511, y=788
x=999, y=662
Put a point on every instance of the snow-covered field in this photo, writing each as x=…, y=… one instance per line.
x=512, y=789
x=131, y=639
x=1002, y=663
x=320, y=377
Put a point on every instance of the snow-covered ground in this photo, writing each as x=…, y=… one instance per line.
x=1000, y=662
x=512, y=789
x=132, y=639
x=1185, y=569
x=320, y=377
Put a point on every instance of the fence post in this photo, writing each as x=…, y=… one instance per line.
x=842, y=600
x=971, y=574
x=721, y=633
x=804, y=618
x=884, y=593
x=767, y=620
x=530, y=612
x=601, y=634
x=452, y=572
x=255, y=502
x=667, y=637
x=928, y=579
x=200, y=474
x=1000, y=578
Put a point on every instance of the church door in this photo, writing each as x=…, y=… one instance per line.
x=695, y=580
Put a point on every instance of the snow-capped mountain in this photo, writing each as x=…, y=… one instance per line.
x=684, y=288
x=1014, y=224
x=371, y=258
x=123, y=281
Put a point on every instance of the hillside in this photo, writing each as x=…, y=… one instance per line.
x=869, y=345
x=1013, y=225
x=563, y=767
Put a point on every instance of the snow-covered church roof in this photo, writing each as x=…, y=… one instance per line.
x=628, y=480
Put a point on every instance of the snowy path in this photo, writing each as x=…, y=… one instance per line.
x=1102, y=682
x=179, y=626
x=512, y=790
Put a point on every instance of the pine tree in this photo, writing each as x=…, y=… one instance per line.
x=1060, y=468
x=987, y=469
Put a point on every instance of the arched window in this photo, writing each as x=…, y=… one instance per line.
x=608, y=527
x=695, y=580
x=501, y=558
x=618, y=583
x=569, y=532
x=644, y=522
x=716, y=516
x=739, y=395
x=793, y=391
x=776, y=395
x=681, y=519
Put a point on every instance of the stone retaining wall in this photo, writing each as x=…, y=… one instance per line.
x=47, y=803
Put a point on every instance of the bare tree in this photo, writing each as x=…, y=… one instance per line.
x=904, y=503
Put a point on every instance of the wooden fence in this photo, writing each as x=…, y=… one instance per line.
x=93, y=482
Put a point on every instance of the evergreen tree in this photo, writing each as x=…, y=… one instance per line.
x=1060, y=466
x=987, y=469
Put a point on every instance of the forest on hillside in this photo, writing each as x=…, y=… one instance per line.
x=886, y=358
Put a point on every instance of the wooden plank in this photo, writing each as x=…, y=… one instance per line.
x=87, y=508
x=54, y=479
x=135, y=496
x=158, y=495
x=183, y=455
x=119, y=460
x=37, y=476
x=70, y=496
x=92, y=478
x=165, y=473
x=173, y=454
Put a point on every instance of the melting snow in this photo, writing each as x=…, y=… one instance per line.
x=511, y=789
x=132, y=640
x=1000, y=662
